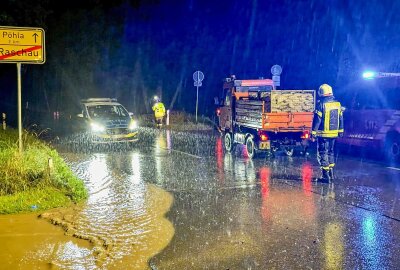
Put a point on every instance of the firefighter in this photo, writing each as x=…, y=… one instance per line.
x=326, y=127
x=159, y=111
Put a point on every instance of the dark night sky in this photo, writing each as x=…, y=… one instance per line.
x=134, y=49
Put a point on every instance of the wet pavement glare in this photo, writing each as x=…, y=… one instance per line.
x=178, y=201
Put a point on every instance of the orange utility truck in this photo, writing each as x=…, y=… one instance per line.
x=254, y=113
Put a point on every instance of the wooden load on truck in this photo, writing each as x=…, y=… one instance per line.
x=263, y=118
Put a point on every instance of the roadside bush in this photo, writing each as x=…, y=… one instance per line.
x=38, y=167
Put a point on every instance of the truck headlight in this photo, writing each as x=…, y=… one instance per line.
x=97, y=127
x=133, y=125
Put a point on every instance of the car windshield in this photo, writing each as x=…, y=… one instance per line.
x=107, y=111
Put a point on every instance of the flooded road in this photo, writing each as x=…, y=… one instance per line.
x=177, y=201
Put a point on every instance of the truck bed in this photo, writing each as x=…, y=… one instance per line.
x=277, y=110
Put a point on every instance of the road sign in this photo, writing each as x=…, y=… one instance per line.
x=198, y=76
x=276, y=70
x=22, y=45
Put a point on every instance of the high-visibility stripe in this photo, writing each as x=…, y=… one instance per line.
x=327, y=134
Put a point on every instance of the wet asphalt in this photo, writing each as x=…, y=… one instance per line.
x=232, y=212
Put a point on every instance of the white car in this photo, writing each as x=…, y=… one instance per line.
x=107, y=121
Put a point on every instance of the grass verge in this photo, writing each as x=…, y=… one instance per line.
x=37, y=179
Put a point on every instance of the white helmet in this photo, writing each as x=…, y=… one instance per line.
x=325, y=90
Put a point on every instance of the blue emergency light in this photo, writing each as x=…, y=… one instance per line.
x=368, y=75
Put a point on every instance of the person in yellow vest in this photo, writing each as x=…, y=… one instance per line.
x=159, y=111
x=327, y=126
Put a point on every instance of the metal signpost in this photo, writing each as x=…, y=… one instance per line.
x=21, y=45
x=198, y=77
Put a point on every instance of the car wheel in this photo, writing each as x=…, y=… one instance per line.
x=228, y=142
x=250, y=147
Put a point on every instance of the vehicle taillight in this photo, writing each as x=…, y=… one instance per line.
x=218, y=111
x=263, y=136
x=305, y=135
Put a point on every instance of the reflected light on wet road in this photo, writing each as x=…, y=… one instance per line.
x=306, y=176
x=265, y=174
x=372, y=242
x=333, y=238
x=123, y=217
x=219, y=155
x=136, y=176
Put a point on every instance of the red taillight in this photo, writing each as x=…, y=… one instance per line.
x=263, y=136
x=306, y=134
x=218, y=112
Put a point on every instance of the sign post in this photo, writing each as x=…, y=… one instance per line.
x=19, y=108
x=276, y=71
x=21, y=45
x=198, y=77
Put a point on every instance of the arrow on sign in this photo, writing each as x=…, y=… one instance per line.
x=35, y=36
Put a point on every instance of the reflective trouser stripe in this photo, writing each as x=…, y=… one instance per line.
x=328, y=135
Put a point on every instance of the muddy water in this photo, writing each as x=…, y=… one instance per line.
x=31, y=243
x=121, y=226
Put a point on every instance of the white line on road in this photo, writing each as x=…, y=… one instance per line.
x=166, y=149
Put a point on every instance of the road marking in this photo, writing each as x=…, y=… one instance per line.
x=167, y=149
x=394, y=168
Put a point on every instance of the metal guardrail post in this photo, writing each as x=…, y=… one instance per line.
x=167, y=118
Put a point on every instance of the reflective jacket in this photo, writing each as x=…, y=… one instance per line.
x=159, y=109
x=328, y=118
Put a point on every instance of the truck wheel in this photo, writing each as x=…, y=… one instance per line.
x=392, y=149
x=250, y=147
x=289, y=151
x=228, y=142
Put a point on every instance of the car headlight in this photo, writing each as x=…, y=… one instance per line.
x=133, y=125
x=97, y=127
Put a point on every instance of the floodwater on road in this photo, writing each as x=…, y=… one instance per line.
x=178, y=201
x=121, y=225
